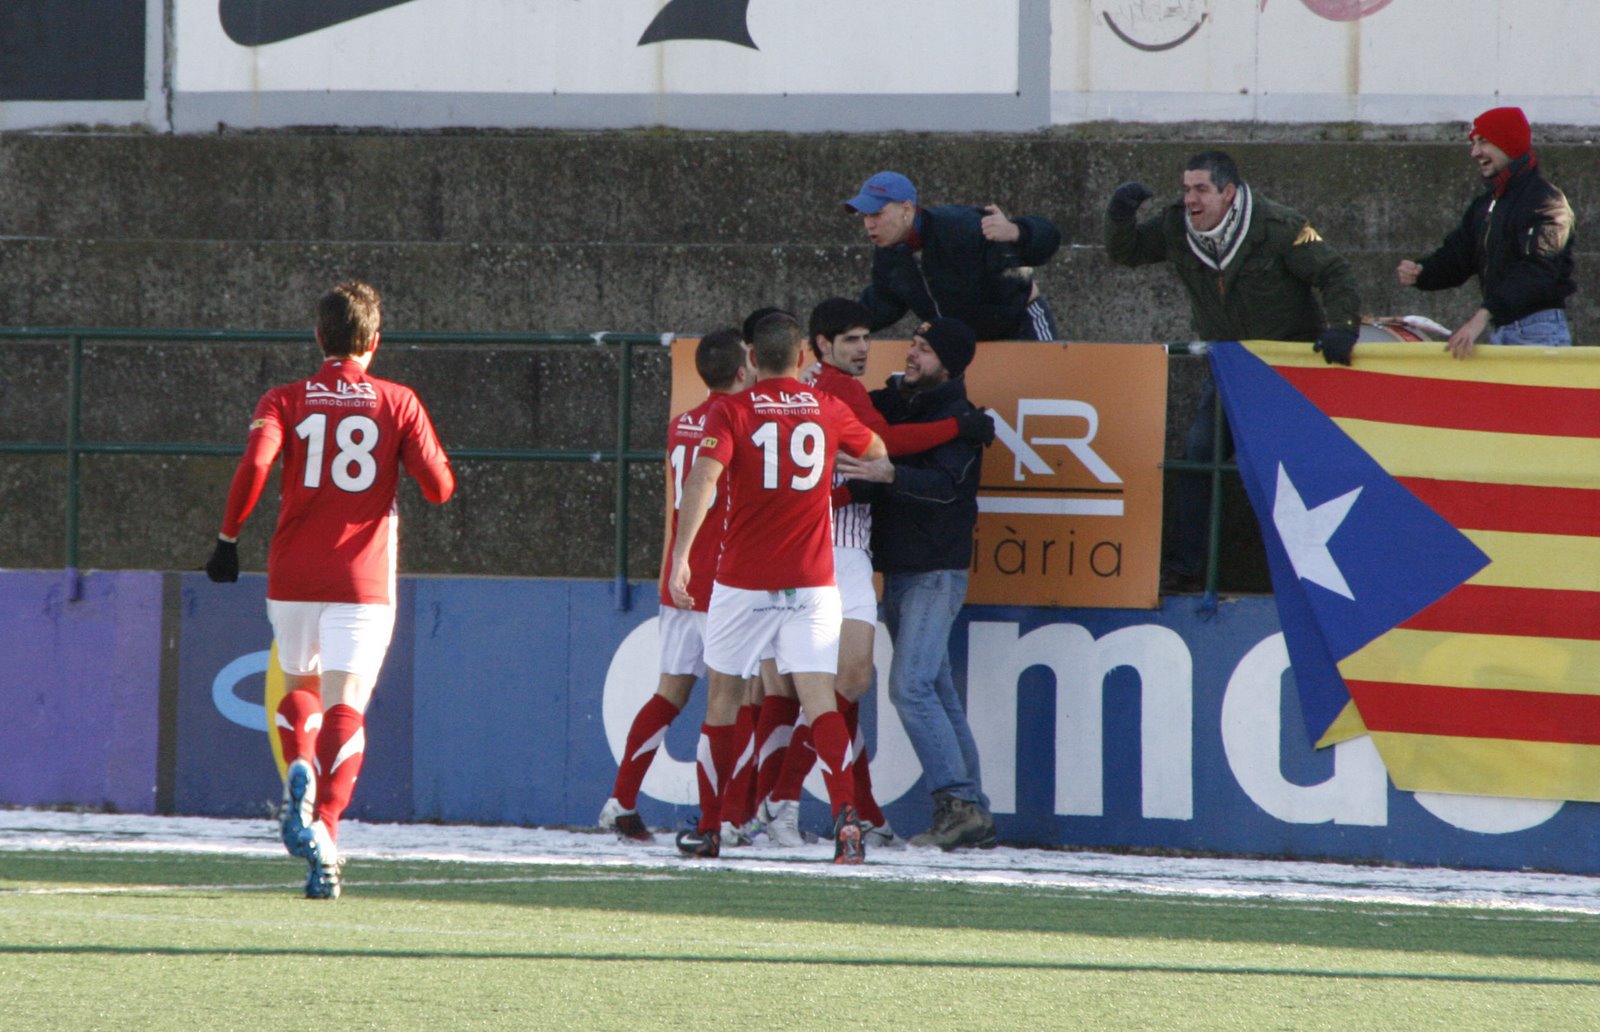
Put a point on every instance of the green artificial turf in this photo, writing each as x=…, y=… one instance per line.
x=127, y=941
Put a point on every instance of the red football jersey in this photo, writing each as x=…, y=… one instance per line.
x=777, y=442
x=344, y=437
x=683, y=437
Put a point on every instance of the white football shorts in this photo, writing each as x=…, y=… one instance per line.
x=683, y=641
x=801, y=624
x=315, y=636
x=852, y=569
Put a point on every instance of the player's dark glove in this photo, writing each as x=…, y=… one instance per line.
x=223, y=566
x=1336, y=343
x=1125, y=201
x=975, y=426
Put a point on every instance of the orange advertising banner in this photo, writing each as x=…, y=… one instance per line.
x=1069, y=505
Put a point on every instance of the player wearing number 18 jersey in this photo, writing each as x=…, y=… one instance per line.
x=344, y=436
x=723, y=363
x=775, y=582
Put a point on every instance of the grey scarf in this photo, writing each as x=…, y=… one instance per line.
x=1218, y=246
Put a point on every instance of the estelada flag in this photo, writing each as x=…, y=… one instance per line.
x=1433, y=534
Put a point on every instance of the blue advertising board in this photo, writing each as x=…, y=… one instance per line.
x=507, y=701
x=80, y=673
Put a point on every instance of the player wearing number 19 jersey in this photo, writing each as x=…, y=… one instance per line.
x=344, y=436
x=775, y=582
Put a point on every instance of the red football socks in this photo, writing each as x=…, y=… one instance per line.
x=867, y=807
x=649, y=730
x=298, y=719
x=796, y=764
x=341, y=746
x=774, y=730
x=832, y=740
x=738, y=804
x=714, y=760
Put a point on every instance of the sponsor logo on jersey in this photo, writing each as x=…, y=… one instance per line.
x=341, y=393
x=798, y=400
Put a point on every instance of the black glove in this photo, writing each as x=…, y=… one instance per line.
x=1125, y=201
x=1336, y=343
x=223, y=566
x=975, y=426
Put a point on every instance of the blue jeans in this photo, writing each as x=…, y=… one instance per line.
x=1545, y=328
x=919, y=609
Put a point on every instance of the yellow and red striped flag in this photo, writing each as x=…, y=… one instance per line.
x=1491, y=686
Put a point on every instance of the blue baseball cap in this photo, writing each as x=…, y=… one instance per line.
x=883, y=188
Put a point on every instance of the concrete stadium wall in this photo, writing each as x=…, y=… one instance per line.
x=628, y=231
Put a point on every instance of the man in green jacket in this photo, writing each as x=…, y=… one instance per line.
x=1253, y=270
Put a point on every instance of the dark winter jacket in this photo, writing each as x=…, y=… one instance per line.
x=1266, y=292
x=1518, y=244
x=923, y=520
x=960, y=274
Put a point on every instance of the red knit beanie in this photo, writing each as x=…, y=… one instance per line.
x=1506, y=128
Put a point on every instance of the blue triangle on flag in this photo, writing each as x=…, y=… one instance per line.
x=1352, y=553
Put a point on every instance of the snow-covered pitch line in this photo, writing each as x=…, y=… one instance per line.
x=1206, y=879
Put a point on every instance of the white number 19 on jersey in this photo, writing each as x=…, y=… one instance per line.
x=807, y=450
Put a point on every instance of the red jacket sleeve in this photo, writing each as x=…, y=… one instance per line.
x=911, y=438
x=901, y=439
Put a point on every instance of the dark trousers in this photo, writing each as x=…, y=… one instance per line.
x=1038, y=322
x=1192, y=491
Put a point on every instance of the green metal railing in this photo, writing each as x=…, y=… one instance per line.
x=619, y=454
x=73, y=446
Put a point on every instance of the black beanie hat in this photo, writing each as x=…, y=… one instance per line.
x=952, y=340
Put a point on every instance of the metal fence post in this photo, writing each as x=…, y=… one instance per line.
x=74, y=418
x=620, y=506
x=1214, y=533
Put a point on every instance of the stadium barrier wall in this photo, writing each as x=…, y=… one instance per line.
x=505, y=701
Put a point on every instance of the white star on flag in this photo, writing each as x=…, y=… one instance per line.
x=1305, y=533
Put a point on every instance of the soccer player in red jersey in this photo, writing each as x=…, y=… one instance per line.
x=723, y=362
x=840, y=340
x=345, y=436
x=774, y=583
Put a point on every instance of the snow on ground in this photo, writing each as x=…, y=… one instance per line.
x=1076, y=871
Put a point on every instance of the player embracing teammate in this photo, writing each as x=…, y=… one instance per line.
x=775, y=581
x=840, y=339
x=723, y=362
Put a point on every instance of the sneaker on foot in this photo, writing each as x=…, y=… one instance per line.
x=323, y=879
x=881, y=836
x=848, y=845
x=738, y=834
x=625, y=823
x=780, y=819
x=295, y=816
x=700, y=845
